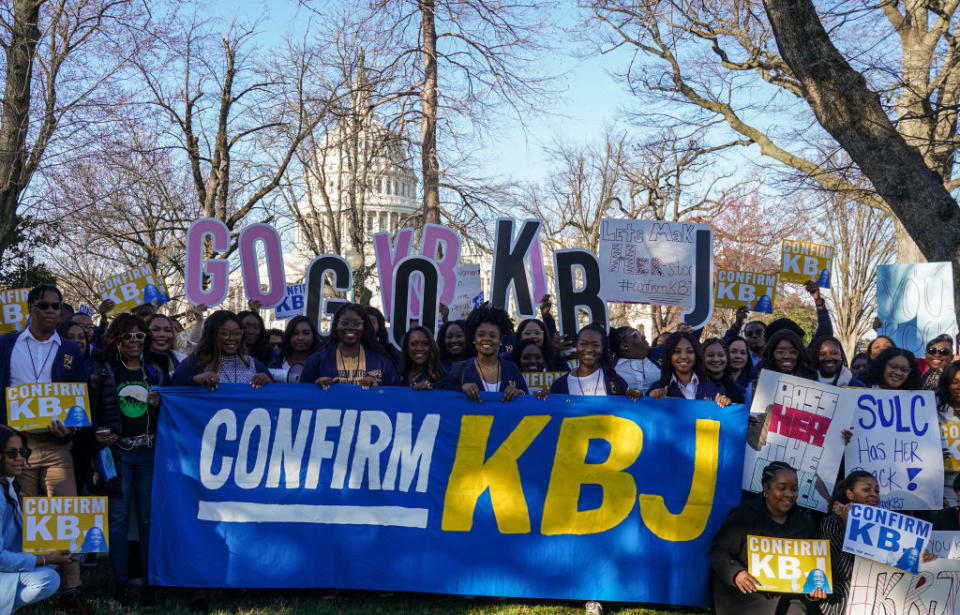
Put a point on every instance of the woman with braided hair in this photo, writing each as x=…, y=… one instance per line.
x=25, y=578
x=775, y=514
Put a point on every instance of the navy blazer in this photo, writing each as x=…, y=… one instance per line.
x=466, y=371
x=705, y=389
x=183, y=375
x=323, y=363
x=562, y=384
x=68, y=365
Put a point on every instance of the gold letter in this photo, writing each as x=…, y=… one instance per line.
x=471, y=475
x=689, y=522
x=560, y=514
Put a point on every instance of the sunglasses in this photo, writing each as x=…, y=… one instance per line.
x=47, y=305
x=134, y=336
x=942, y=352
x=12, y=453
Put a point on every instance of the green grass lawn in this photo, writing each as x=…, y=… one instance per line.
x=97, y=591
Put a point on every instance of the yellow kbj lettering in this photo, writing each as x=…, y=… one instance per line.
x=473, y=473
x=690, y=522
x=570, y=472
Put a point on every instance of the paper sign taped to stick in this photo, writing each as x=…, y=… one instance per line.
x=944, y=544
x=915, y=303
x=13, y=309
x=132, y=288
x=35, y=406
x=896, y=437
x=790, y=566
x=802, y=261
x=469, y=287
x=540, y=381
x=294, y=302
x=77, y=524
x=646, y=261
x=800, y=422
x=886, y=536
x=876, y=589
x=734, y=289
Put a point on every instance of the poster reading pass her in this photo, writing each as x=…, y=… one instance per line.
x=790, y=565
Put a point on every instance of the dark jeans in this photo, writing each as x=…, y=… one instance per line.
x=136, y=475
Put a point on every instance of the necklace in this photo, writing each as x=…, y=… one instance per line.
x=596, y=385
x=33, y=362
x=484, y=376
x=350, y=375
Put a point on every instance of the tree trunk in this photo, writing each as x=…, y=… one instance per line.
x=907, y=250
x=852, y=114
x=15, y=121
x=430, y=167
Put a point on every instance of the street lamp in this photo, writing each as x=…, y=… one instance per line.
x=355, y=260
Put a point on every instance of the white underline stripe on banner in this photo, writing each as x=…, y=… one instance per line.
x=254, y=512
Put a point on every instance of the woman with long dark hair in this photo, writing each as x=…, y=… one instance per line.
x=379, y=324
x=784, y=353
x=353, y=355
x=487, y=371
x=741, y=365
x=162, y=340
x=948, y=413
x=420, y=360
x=535, y=330
x=894, y=369
x=300, y=340
x=25, y=578
x=452, y=342
x=682, y=374
x=219, y=356
x=716, y=366
x=255, y=339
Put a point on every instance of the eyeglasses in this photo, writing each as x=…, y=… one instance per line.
x=942, y=352
x=47, y=305
x=12, y=453
x=86, y=327
x=899, y=370
x=350, y=324
x=786, y=354
x=134, y=336
x=230, y=333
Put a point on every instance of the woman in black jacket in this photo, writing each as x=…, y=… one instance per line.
x=775, y=514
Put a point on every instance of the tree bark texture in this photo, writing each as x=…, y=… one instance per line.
x=852, y=114
x=15, y=121
x=430, y=166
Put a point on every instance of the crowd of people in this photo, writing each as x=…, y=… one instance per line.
x=123, y=360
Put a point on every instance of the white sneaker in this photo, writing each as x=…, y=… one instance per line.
x=593, y=608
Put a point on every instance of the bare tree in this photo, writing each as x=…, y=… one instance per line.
x=59, y=56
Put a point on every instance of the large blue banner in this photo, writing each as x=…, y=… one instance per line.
x=391, y=489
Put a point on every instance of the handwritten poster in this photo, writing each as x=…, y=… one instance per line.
x=798, y=421
x=790, y=565
x=644, y=261
x=801, y=261
x=734, y=289
x=35, y=406
x=944, y=544
x=886, y=536
x=896, y=437
x=13, y=309
x=131, y=288
x=77, y=524
x=876, y=589
x=293, y=302
x=469, y=289
x=915, y=303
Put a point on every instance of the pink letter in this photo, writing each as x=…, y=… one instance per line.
x=537, y=272
x=387, y=258
x=217, y=268
x=433, y=236
x=251, y=269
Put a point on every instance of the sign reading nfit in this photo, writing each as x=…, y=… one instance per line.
x=77, y=524
x=754, y=290
x=422, y=489
x=793, y=566
x=802, y=261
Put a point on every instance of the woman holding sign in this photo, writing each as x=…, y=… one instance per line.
x=774, y=515
x=486, y=326
x=682, y=375
x=420, y=360
x=785, y=353
x=592, y=376
x=299, y=341
x=716, y=364
x=24, y=578
x=830, y=363
x=219, y=356
x=894, y=369
x=352, y=355
x=452, y=342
